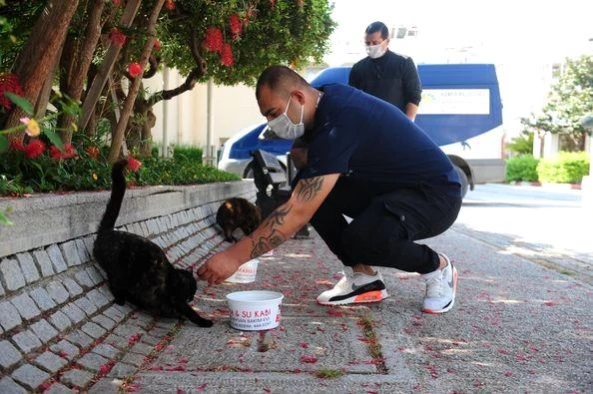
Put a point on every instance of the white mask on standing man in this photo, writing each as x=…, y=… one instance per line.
x=376, y=51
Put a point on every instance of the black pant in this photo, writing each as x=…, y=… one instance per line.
x=385, y=226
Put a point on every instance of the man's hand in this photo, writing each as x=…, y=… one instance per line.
x=218, y=267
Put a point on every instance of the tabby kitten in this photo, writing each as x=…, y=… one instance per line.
x=237, y=213
x=138, y=270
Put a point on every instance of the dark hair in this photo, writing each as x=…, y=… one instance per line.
x=275, y=76
x=378, y=26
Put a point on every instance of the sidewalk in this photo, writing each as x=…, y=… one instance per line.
x=516, y=327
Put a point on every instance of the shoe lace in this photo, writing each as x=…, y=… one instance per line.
x=434, y=286
x=344, y=282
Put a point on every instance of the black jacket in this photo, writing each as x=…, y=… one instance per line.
x=391, y=77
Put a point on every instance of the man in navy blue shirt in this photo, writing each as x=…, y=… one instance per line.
x=365, y=160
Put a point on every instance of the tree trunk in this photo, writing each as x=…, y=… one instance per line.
x=74, y=79
x=116, y=143
x=35, y=62
x=94, y=92
x=45, y=94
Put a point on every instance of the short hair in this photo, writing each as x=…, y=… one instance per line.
x=276, y=77
x=378, y=26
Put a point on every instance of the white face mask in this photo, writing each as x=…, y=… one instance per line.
x=376, y=51
x=283, y=127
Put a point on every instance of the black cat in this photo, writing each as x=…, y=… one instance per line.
x=137, y=269
x=237, y=213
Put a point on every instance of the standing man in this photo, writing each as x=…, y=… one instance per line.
x=366, y=160
x=385, y=74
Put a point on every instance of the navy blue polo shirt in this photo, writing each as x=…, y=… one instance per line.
x=374, y=143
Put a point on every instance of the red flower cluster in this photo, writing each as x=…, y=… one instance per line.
x=117, y=3
x=16, y=144
x=213, y=41
x=170, y=5
x=93, y=152
x=226, y=55
x=68, y=153
x=34, y=149
x=134, y=164
x=235, y=25
x=117, y=37
x=9, y=83
x=157, y=45
x=135, y=69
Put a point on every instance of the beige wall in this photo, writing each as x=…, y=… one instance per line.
x=233, y=108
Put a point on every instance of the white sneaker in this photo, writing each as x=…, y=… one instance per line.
x=355, y=288
x=440, y=289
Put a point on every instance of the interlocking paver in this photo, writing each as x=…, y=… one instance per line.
x=44, y=263
x=12, y=274
x=50, y=361
x=28, y=268
x=26, y=341
x=9, y=355
x=56, y=257
x=9, y=316
x=30, y=376
x=42, y=299
x=26, y=306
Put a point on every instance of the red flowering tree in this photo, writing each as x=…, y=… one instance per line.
x=112, y=42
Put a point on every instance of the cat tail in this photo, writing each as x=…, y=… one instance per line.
x=118, y=189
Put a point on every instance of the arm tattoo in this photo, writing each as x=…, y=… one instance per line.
x=276, y=218
x=308, y=189
x=263, y=244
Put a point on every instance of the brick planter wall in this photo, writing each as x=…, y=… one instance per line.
x=59, y=327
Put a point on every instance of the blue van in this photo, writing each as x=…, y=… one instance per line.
x=461, y=110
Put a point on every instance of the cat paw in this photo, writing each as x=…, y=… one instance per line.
x=204, y=323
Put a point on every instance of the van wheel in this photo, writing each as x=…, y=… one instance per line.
x=464, y=181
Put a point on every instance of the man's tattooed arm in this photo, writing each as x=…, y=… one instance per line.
x=307, y=189
x=264, y=244
x=272, y=236
x=288, y=218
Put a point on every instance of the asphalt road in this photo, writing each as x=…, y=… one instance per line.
x=535, y=222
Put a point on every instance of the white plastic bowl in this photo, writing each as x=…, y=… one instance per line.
x=254, y=310
x=246, y=273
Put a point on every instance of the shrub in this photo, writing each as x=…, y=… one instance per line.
x=567, y=167
x=522, y=168
x=189, y=153
x=85, y=168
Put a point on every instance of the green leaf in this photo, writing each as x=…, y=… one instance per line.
x=21, y=102
x=4, y=220
x=55, y=139
x=3, y=143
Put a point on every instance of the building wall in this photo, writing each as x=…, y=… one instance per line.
x=233, y=108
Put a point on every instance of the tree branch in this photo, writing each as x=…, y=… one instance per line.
x=194, y=46
x=189, y=84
